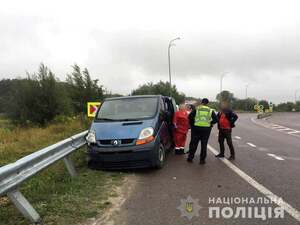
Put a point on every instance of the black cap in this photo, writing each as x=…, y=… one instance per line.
x=205, y=101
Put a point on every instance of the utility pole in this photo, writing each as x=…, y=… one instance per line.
x=169, y=61
x=296, y=96
x=246, y=96
x=221, y=83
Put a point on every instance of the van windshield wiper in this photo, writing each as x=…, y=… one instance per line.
x=128, y=120
x=106, y=119
x=109, y=119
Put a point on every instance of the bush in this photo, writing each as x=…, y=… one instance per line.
x=62, y=119
x=38, y=98
x=82, y=89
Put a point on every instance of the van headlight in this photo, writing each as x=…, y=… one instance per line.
x=91, y=137
x=145, y=136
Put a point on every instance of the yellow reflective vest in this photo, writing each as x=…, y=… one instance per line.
x=203, y=116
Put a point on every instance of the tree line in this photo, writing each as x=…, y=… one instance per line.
x=41, y=96
x=160, y=88
x=247, y=104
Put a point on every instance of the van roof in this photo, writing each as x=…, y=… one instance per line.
x=135, y=96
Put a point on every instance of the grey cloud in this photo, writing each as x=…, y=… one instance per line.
x=197, y=55
x=124, y=59
x=19, y=44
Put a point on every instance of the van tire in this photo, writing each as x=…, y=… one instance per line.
x=160, y=157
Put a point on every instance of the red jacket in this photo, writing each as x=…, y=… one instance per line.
x=224, y=123
x=181, y=121
x=231, y=117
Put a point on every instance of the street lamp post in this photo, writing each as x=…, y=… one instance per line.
x=296, y=96
x=221, y=81
x=221, y=84
x=169, y=61
x=246, y=94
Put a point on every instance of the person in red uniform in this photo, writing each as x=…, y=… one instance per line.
x=181, y=127
x=226, y=120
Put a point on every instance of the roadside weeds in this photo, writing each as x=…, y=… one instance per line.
x=58, y=198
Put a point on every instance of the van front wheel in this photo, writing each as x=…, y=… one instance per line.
x=160, y=157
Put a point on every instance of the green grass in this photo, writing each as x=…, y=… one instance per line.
x=17, y=141
x=58, y=198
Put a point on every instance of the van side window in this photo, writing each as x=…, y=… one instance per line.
x=168, y=104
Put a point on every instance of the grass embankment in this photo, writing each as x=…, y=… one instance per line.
x=58, y=198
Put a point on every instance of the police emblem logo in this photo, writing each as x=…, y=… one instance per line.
x=189, y=207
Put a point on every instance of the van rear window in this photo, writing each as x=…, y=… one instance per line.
x=128, y=109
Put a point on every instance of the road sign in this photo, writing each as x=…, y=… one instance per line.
x=271, y=107
x=92, y=108
x=261, y=107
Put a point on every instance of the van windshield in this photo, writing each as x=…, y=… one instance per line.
x=128, y=109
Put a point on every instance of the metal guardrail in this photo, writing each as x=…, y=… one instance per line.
x=14, y=174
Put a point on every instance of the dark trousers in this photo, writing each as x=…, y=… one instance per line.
x=225, y=135
x=199, y=134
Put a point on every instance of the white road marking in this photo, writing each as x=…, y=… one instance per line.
x=294, y=132
x=275, y=156
x=257, y=123
x=252, y=145
x=279, y=128
x=237, y=137
x=291, y=158
x=279, y=158
x=284, y=129
x=287, y=207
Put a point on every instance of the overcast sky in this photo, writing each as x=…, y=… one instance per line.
x=124, y=43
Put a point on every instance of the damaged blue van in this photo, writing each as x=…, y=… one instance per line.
x=131, y=132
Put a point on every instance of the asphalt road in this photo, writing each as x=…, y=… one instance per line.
x=291, y=120
x=267, y=164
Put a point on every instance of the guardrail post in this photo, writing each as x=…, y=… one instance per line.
x=24, y=206
x=70, y=166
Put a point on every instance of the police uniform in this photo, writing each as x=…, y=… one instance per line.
x=201, y=121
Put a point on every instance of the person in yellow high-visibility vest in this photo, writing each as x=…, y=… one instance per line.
x=201, y=120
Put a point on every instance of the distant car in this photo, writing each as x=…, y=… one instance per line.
x=131, y=132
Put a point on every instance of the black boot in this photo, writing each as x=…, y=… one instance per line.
x=189, y=160
x=179, y=151
x=202, y=161
x=220, y=155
